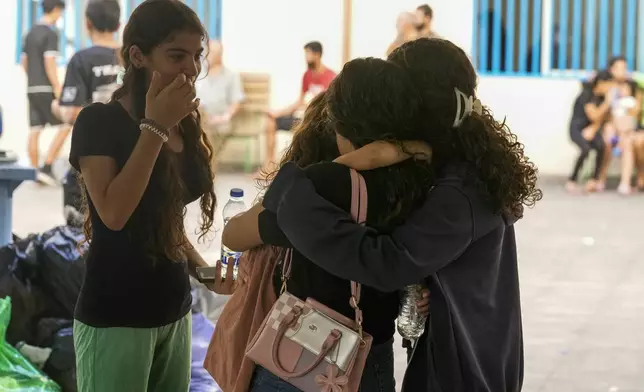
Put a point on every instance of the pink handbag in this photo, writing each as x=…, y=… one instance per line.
x=305, y=343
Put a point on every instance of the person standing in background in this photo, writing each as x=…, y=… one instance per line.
x=38, y=59
x=221, y=94
x=316, y=79
x=406, y=31
x=91, y=77
x=91, y=72
x=424, y=18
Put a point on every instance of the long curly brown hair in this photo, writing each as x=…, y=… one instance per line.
x=372, y=100
x=158, y=221
x=494, y=156
x=313, y=140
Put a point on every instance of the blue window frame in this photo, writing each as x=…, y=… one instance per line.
x=73, y=36
x=555, y=37
x=209, y=12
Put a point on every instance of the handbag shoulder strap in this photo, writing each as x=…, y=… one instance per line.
x=358, y=198
x=359, y=215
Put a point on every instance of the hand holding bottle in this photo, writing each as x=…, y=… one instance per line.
x=423, y=303
x=411, y=319
x=224, y=285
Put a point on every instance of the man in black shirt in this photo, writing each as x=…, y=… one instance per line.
x=590, y=112
x=91, y=77
x=92, y=72
x=39, y=55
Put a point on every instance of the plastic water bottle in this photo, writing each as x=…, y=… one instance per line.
x=411, y=324
x=235, y=206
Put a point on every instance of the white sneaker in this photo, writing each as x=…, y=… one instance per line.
x=46, y=178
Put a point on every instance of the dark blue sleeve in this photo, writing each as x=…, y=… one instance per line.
x=269, y=230
x=51, y=43
x=331, y=181
x=432, y=237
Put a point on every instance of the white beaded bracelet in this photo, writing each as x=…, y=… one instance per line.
x=155, y=130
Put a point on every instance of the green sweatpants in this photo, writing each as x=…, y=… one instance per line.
x=133, y=359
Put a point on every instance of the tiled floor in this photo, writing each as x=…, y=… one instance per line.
x=582, y=280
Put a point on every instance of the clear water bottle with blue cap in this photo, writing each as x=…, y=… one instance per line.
x=235, y=206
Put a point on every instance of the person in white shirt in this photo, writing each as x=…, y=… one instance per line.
x=221, y=93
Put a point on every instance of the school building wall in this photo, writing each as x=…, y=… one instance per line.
x=268, y=36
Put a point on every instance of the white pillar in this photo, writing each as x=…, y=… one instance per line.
x=547, y=24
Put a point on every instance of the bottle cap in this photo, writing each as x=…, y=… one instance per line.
x=236, y=192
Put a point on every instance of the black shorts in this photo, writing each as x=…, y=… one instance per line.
x=40, y=110
x=286, y=123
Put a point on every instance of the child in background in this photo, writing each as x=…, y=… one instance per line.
x=620, y=127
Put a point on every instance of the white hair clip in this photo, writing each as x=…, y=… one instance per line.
x=120, y=76
x=465, y=106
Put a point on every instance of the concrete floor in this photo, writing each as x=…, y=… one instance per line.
x=582, y=281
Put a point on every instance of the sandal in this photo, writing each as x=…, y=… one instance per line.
x=624, y=189
x=591, y=186
x=572, y=188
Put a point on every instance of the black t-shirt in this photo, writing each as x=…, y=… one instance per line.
x=124, y=287
x=41, y=41
x=91, y=76
x=579, y=118
x=333, y=182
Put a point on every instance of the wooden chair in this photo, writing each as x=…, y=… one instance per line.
x=248, y=124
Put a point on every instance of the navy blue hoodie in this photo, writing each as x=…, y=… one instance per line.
x=464, y=251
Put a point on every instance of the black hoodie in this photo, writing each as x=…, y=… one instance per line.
x=455, y=242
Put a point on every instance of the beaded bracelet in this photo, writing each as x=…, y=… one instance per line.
x=155, y=125
x=151, y=128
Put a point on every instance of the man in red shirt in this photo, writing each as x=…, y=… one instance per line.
x=316, y=79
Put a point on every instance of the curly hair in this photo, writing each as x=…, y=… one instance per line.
x=502, y=172
x=313, y=140
x=157, y=222
x=371, y=100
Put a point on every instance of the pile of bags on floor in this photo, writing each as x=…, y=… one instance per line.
x=16, y=372
x=40, y=280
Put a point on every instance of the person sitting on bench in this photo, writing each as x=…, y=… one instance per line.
x=316, y=79
x=221, y=94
